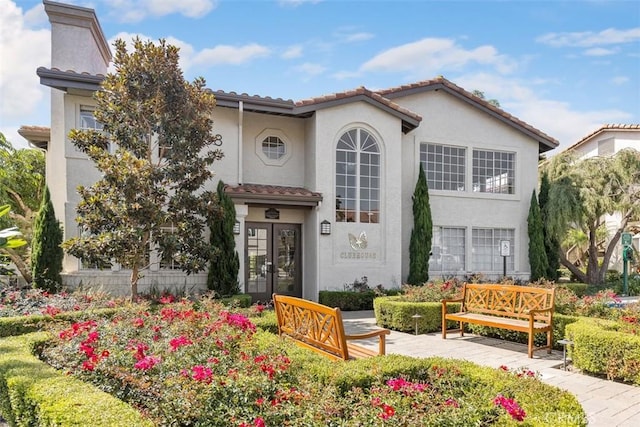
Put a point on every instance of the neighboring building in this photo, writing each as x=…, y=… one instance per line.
x=607, y=141
x=322, y=187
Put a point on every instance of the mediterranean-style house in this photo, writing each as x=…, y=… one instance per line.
x=607, y=140
x=322, y=187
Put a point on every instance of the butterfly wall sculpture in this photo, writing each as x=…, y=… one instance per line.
x=358, y=242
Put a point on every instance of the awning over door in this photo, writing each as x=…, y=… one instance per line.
x=257, y=194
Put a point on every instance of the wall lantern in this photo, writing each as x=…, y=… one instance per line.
x=236, y=227
x=325, y=227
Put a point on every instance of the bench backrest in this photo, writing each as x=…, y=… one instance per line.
x=509, y=300
x=312, y=325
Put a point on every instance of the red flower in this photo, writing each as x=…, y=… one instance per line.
x=387, y=412
x=178, y=342
x=202, y=374
x=511, y=406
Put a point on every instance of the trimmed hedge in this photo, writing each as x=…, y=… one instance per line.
x=395, y=314
x=598, y=348
x=34, y=394
x=347, y=300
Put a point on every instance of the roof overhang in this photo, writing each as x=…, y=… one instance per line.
x=68, y=81
x=37, y=136
x=272, y=195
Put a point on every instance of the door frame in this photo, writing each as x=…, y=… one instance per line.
x=273, y=272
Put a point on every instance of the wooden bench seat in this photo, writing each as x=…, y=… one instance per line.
x=517, y=308
x=320, y=328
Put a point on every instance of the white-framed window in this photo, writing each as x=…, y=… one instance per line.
x=87, y=121
x=169, y=259
x=273, y=147
x=493, y=171
x=486, y=249
x=447, y=250
x=357, y=177
x=444, y=166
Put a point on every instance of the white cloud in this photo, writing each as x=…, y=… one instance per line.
x=127, y=11
x=431, y=56
x=600, y=51
x=23, y=48
x=590, y=38
x=358, y=37
x=557, y=119
x=309, y=70
x=620, y=80
x=296, y=3
x=292, y=52
x=231, y=55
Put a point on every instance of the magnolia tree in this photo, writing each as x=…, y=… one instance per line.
x=154, y=157
x=581, y=195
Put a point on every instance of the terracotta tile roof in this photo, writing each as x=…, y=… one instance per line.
x=603, y=128
x=260, y=193
x=442, y=83
x=361, y=91
x=38, y=136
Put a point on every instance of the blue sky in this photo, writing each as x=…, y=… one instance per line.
x=565, y=67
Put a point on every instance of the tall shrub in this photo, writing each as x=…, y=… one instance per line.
x=223, y=270
x=551, y=243
x=46, y=252
x=537, y=255
x=420, y=244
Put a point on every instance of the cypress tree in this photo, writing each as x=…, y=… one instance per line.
x=537, y=254
x=223, y=270
x=46, y=252
x=551, y=243
x=420, y=244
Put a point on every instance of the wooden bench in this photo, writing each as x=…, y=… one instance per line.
x=517, y=308
x=319, y=328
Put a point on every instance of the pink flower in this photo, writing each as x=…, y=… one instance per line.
x=452, y=402
x=259, y=422
x=147, y=363
x=202, y=374
x=511, y=406
x=138, y=322
x=178, y=342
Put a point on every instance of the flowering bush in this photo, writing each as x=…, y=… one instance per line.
x=432, y=291
x=22, y=302
x=186, y=363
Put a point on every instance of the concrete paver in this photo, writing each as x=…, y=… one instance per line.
x=606, y=403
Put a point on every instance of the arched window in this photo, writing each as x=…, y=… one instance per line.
x=357, y=178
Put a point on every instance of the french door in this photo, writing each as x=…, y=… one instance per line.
x=273, y=255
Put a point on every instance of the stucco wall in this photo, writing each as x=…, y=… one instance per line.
x=447, y=120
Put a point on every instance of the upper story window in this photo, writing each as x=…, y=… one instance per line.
x=357, y=177
x=87, y=119
x=444, y=166
x=493, y=172
x=273, y=147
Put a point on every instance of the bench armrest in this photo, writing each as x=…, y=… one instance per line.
x=539, y=310
x=380, y=333
x=445, y=301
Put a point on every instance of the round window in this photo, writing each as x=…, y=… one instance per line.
x=273, y=147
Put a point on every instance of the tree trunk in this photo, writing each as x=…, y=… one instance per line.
x=593, y=269
x=580, y=275
x=20, y=264
x=134, y=283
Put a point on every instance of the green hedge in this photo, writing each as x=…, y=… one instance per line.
x=34, y=394
x=598, y=348
x=347, y=300
x=397, y=315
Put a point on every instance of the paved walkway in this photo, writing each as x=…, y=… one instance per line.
x=606, y=403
